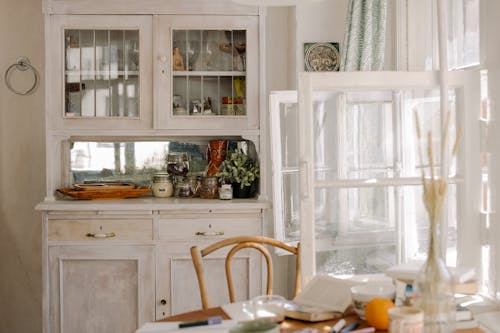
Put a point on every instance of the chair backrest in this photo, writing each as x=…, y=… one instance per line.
x=242, y=242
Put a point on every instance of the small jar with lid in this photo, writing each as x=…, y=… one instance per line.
x=183, y=189
x=177, y=164
x=209, y=188
x=226, y=192
x=162, y=186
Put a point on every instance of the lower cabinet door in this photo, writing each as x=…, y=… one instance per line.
x=178, y=289
x=100, y=288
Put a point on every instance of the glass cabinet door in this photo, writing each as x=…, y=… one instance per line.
x=209, y=78
x=100, y=76
x=102, y=73
x=209, y=72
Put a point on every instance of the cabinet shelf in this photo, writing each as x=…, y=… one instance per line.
x=101, y=73
x=209, y=73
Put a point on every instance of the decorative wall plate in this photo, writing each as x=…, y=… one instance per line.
x=321, y=57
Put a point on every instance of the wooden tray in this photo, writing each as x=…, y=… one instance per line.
x=103, y=193
x=104, y=186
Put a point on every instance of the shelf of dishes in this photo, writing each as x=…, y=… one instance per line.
x=209, y=95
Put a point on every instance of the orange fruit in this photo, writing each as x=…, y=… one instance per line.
x=376, y=312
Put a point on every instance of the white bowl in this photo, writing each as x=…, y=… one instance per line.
x=362, y=294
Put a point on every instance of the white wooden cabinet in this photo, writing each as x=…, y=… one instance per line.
x=111, y=270
x=109, y=266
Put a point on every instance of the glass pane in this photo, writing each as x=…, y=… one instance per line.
x=195, y=95
x=289, y=139
x=290, y=213
x=239, y=99
x=179, y=46
x=106, y=62
x=463, y=26
x=131, y=95
x=72, y=87
x=240, y=45
x=216, y=50
x=427, y=105
x=373, y=134
x=131, y=42
x=368, y=137
x=72, y=41
x=366, y=222
x=193, y=50
x=416, y=225
x=179, y=101
x=102, y=54
x=116, y=73
x=116, y=52
x=87, y=72
x=102, y=104
x=362, y=260
x=226, y=96
x=325, y=135
x=210, y=95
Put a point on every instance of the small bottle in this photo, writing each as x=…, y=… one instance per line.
x=409, y=299
x=162, y=186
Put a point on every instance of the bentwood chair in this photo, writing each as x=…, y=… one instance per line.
x=238, y=243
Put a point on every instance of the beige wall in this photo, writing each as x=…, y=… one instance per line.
x=22, y=170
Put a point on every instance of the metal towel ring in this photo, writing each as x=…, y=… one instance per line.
x=22, y=64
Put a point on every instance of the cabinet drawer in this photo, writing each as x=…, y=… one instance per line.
x=208, y=228
x=100, y=229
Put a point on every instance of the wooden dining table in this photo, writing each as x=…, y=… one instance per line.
x=288, y=325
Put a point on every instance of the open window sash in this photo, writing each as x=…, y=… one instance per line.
x=339, y=184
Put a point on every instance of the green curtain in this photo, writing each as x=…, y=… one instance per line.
x=364, y=40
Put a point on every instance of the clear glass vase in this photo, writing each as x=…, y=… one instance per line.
x=434, y=289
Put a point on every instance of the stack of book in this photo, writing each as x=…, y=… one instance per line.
x=464, y=318
x=465, y=281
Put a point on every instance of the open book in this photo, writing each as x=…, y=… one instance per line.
x=323, y=298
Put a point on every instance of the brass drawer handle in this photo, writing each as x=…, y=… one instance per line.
x=101, y=235
x=210, y=233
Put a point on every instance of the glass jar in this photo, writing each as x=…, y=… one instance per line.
x=195, y=182
x=209, y=188
x=177, y=164
x=226, y=192
x=162, y=186
x=183, y=189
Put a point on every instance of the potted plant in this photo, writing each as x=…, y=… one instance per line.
x=241, y=171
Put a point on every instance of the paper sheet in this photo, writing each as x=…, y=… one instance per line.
x=173, y=326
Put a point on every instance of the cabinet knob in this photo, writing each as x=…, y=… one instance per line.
x=163, y=302
x=163, y=58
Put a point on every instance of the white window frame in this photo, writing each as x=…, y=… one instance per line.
x=468, y=98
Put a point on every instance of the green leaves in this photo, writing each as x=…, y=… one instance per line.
x=238, y=168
